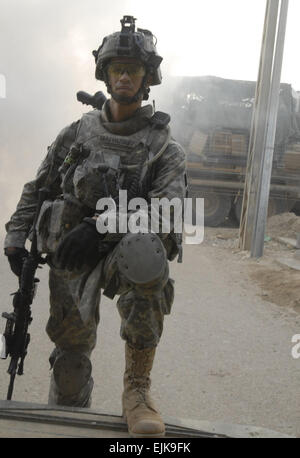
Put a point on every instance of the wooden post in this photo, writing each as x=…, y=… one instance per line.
x=257, y=245
x=262, y=136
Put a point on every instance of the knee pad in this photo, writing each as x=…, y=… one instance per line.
x=72, y=372
x=142, y=258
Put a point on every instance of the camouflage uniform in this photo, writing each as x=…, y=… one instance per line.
x=75, y=296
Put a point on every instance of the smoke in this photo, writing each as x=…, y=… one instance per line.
x=46, y=57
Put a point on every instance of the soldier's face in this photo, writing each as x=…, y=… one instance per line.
x=125, y=76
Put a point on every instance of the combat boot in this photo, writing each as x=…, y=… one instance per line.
x=142, y=417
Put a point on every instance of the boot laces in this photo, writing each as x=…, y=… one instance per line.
x=141, y=386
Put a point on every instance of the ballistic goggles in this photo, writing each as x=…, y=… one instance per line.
x=134, y=70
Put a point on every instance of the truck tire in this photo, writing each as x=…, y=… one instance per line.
x=275, y=207
x=296, y=208
x=216, y=208
x=285, y=205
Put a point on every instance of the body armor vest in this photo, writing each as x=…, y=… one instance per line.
x=98, y=165
x=110, y=162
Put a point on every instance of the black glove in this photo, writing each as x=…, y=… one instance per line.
x=80, y=246
x=16, y=257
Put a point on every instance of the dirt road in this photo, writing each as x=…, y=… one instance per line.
x=226, y=349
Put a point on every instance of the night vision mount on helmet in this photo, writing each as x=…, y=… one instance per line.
x=138, y=44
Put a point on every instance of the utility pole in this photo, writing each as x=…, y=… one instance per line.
x=263, y=129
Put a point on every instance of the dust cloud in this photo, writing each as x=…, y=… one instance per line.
x=46, y=57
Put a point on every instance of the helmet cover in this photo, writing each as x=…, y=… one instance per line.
x=138, y=44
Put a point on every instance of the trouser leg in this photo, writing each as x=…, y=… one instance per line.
x=74, y=337
x=142, y=307
x=142, y=319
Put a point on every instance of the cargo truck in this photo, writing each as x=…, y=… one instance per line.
x=211, y=118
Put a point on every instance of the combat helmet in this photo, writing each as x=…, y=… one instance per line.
x=132, y=43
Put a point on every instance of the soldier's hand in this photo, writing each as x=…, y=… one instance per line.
x=16, y=257
x=79, y=247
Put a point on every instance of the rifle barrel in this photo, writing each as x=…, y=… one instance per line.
x=11, y=386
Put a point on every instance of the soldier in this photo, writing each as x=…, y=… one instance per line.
x=125, y=146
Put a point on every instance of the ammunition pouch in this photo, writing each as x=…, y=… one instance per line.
x=94, y=180
x=57, y=217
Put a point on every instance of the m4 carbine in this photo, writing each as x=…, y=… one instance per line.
x=16, y=338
